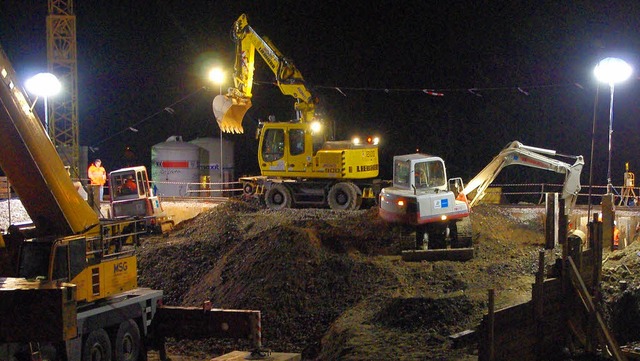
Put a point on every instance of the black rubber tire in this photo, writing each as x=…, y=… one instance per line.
x=97, y=346
x=128, y=344
x=343, y=196
x=248, y=189
x=278, y=197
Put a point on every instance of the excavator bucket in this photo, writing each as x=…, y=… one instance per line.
x=229, y=112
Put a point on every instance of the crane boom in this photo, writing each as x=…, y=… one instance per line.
x=34, y=168
x=516, y=153
x=229, y=109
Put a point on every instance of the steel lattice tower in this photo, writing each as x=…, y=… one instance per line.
x=62, y=62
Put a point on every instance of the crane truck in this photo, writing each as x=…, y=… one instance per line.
x=68, y=290
x=421, y=196
x=298, y=166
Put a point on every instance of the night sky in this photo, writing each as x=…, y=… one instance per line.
x=507, y=70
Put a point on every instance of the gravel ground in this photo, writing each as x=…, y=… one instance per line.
x=332, y=286
x=12, y=211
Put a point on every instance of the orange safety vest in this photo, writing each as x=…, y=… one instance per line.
x=97, y=175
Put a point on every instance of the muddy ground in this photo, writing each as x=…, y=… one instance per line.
x=331, y=285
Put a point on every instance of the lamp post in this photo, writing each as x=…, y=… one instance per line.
x=44, y=85
x=216, y=75
x=611, y=71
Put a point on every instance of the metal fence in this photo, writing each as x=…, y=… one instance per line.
x=533, y=193
x=508, y=193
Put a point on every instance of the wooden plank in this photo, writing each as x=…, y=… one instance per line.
x=244, y=355
x=449, y=254
x=464, y=338
x=587, y=299
x=514, y=315
x=516, y=336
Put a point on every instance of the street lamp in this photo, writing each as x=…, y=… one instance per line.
x=216, y=75
x=612, y=71
x=44, y=85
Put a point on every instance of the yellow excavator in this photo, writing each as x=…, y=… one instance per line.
x=299, y=166
x=68, y=280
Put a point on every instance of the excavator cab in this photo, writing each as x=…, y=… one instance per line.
x=419, y=172
x=134, y=197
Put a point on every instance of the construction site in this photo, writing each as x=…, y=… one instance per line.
x=313, y=254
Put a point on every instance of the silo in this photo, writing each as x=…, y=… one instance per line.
x=210, y=163
x=174, y=164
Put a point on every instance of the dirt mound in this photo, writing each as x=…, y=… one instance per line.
x=331, y=284
x=425, y=313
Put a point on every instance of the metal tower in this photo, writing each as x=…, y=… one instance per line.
x=62, y=62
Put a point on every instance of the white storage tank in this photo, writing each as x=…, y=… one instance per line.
x=174, y=167
x=211, y=176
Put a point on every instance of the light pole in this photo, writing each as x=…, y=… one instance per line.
x=44, y=85
x=216, y=75
x=612, y=71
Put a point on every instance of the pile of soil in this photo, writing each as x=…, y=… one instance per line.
x=332, y=285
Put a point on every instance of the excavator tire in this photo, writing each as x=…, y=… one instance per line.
x=344, y=196
x=278, y=197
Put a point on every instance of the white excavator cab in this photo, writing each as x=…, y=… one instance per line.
x=419, y=172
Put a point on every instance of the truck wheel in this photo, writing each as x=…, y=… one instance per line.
x=343, y=196
x=97, y=346
x=248, y=189
x=278, y=197
x=127, y=346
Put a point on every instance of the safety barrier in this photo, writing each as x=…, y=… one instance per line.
x=533, y=193
x=510, y=193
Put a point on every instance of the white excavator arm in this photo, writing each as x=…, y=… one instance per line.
x=516, y=153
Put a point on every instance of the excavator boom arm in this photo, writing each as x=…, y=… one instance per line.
x=518, y=154
x=229, y=109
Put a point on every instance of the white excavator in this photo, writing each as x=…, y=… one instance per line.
x=438, y=208
x=516, y=153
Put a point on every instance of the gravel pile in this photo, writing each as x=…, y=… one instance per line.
x=12, y=211
x=331, y=284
